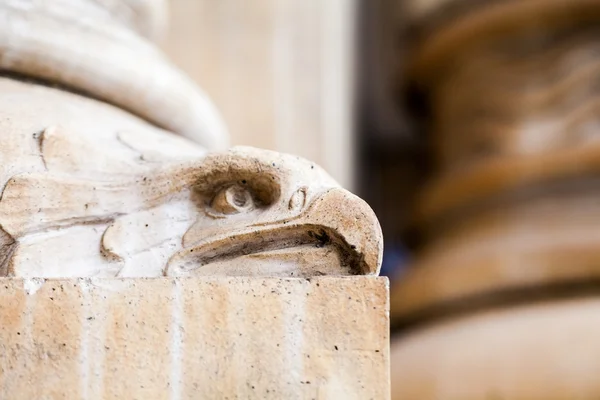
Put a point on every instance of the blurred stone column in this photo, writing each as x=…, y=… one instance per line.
x=503, y=300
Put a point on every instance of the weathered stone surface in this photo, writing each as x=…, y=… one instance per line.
x=142, y=202
x=184, y=338
x=96, y=188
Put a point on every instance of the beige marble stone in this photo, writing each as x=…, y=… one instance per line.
x=90, y=190
x=184, y=338
x=98, y=186
x=95, y=181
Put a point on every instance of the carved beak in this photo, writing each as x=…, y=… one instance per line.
x=337, y=223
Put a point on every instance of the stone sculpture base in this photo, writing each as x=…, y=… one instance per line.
x=208, y=338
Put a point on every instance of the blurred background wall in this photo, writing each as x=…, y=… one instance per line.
x=280, y=72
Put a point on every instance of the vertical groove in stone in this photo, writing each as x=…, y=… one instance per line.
x=177, y=340
x=189, y=338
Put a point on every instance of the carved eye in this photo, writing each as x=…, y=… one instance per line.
x=232, y=200
x=298, y=199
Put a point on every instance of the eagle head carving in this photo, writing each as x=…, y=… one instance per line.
x=158, y=208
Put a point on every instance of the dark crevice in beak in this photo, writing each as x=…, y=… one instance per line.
x=264, y=240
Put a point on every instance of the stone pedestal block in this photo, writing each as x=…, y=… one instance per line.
x=200, y=338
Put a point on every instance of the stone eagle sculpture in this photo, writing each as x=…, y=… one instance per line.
x=95, y=181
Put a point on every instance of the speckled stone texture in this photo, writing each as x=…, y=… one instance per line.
x=201, y=338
